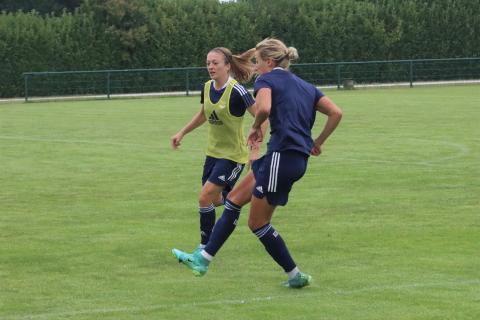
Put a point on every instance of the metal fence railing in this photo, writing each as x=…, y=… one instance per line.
x=106, y=83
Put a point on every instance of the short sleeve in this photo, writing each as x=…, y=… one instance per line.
x=240, y=100
x=318, y=95
x=261, y=82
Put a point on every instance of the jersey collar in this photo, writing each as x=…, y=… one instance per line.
x=224, y=86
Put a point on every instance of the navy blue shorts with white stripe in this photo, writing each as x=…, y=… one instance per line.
x=222, y=172
x=275, y=173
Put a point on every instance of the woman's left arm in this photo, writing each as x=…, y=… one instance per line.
x=334, y=114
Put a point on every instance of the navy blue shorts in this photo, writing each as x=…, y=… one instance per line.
x=222, y=172
x=275, y=174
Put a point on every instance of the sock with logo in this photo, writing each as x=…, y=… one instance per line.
x=275, y=246
x=223, y=228
x=207, y=221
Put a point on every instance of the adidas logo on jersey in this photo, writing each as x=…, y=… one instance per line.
x=260, y=189
x=213, y=119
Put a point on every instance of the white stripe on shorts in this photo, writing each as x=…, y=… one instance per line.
x=235, y=171
x=274, y=164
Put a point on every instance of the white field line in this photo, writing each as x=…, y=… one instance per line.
x=196, y=92
x=104, y=96
x=250, y=300
x=461, y=150
x=105, y=143
x=419, y=83
x=112, y=143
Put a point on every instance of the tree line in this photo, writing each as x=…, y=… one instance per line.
x=125, y=34
x=41, y=6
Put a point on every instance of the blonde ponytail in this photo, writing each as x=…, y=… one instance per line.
x=276, y=50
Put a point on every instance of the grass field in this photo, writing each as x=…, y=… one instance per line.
x=387, y=220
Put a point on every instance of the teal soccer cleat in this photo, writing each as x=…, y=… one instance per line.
x=198, y=249
x=195, y=262
x=180, y=255
x=299, y=281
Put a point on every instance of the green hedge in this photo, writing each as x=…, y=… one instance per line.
x=118, y=34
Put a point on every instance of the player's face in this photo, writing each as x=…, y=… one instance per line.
x=216, y=65
x=262, y=66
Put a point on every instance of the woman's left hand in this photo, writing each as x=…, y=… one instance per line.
x=316, y=150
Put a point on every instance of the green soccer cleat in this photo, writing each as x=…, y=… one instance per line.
x=299, y=281
x=195, y=262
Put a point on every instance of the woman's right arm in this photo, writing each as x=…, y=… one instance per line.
x=197, y=120
x=255, y=147
x=262, y=111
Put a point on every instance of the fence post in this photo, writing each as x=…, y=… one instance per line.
x=26, y=87
x=338, y=77
x=411, y=73
x=108, y=84
x=187, y=82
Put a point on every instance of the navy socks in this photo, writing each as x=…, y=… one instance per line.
x=275, y=246
x=223, y=228
x=207, y=221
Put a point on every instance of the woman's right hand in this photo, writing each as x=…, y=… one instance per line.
x=175, y=140
x=255, y=137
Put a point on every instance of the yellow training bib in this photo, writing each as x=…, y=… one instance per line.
x=226, y=139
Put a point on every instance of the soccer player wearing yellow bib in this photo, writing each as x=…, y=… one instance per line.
x=224, y=102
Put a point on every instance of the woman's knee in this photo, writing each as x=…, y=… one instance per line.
x=238, y=197
x=207, y=197
x=255, y=222
x=251, y=224
x=260, y=213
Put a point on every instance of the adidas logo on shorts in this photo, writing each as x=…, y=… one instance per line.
x=222, y=177
x=259, y=189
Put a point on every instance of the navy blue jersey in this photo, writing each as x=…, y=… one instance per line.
x=240, y=98
x=293, y=110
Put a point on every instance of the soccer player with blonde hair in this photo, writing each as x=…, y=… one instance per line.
x=290, y=104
